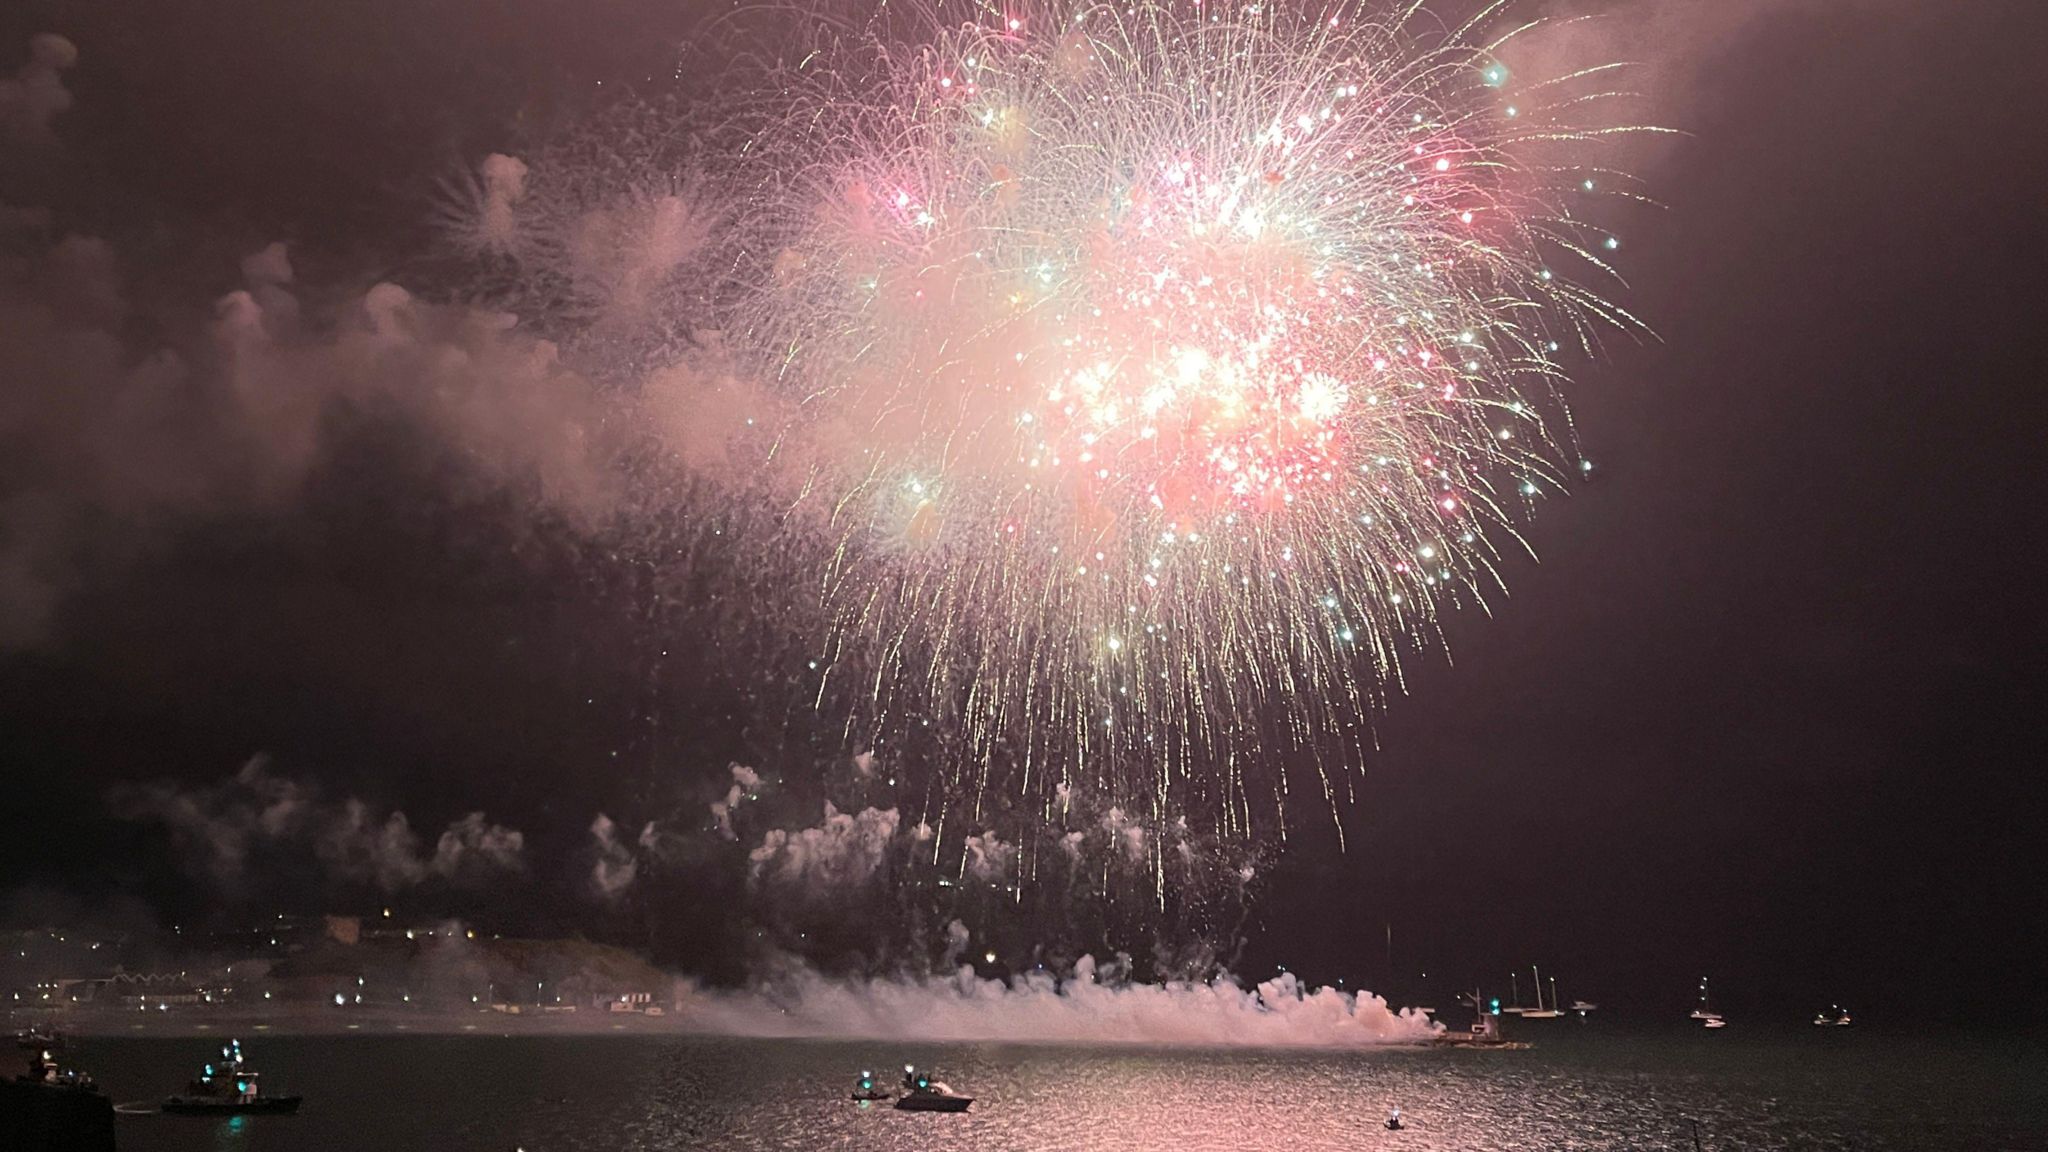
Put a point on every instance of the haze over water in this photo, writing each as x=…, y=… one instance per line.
x=1582, y=1087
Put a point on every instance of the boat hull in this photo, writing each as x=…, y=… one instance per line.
x=272, y=1105
x=934, y=1103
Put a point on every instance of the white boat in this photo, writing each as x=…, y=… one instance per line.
x=1705, y=1013
x=1514, y=1007
x=1539, y=1012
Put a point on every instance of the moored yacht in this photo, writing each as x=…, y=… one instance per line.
x=1704, y=1012
x=1540, y=1012
x=1485, y=1032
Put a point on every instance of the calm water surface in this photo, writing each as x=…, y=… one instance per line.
x=1582, y=1089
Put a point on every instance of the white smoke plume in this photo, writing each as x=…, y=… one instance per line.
x=479, y=210
x=957, y=939
x=218, y=828
x=1676, y=51
x=658, y=842
x=843, y=851
x=1082, y=1008
x=473, y=841
x=616, y=866
x=1125, y=834
x=98, y=435
x=126, y=419
x=744, y=783
x=988, y=859
x=362, y=848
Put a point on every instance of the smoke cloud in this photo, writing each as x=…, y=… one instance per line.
x=129, y=417
x=1674, y=49
x=220, y=829
x=744, y=782
x=616, y=866
x=988, y=859
x=1086, y=1007
x=841, y=852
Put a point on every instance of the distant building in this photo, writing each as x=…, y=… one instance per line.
x=151, y=990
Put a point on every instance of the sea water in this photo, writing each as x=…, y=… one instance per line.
x=1579, y=1087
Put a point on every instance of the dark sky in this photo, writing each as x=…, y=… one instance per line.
x=1770, y=706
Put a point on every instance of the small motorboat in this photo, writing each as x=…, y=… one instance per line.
x=1834, y=1017
x=230, y=1087
x=865, y=1090
x=921, y=1093
x=1394, y=1120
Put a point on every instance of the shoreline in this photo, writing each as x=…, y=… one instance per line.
x=171, y=1026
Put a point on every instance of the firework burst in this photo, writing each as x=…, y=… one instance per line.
x=1142, y=381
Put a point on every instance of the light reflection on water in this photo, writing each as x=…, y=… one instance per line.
x=1581, y=1090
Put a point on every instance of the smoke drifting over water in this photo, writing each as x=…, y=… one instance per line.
x=1036, y=1008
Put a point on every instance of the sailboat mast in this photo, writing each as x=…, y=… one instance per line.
x=1537, y=976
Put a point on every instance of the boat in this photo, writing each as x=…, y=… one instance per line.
x=230, y=1087
x=865, y=1091
x=1834, y=1017
x=1394, y=1120
x=44, y=1072
x=1584, y=1006
x=53, y=1107
x=921, y=1093
x=1485, y=1032
x=39, y=1039
x=1705, y=1013
x=1539, y=1012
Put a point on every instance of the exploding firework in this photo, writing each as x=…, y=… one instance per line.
x=1111, y=396
x=1149, y=377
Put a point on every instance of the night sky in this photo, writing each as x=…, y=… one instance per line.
x=1769, y=707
